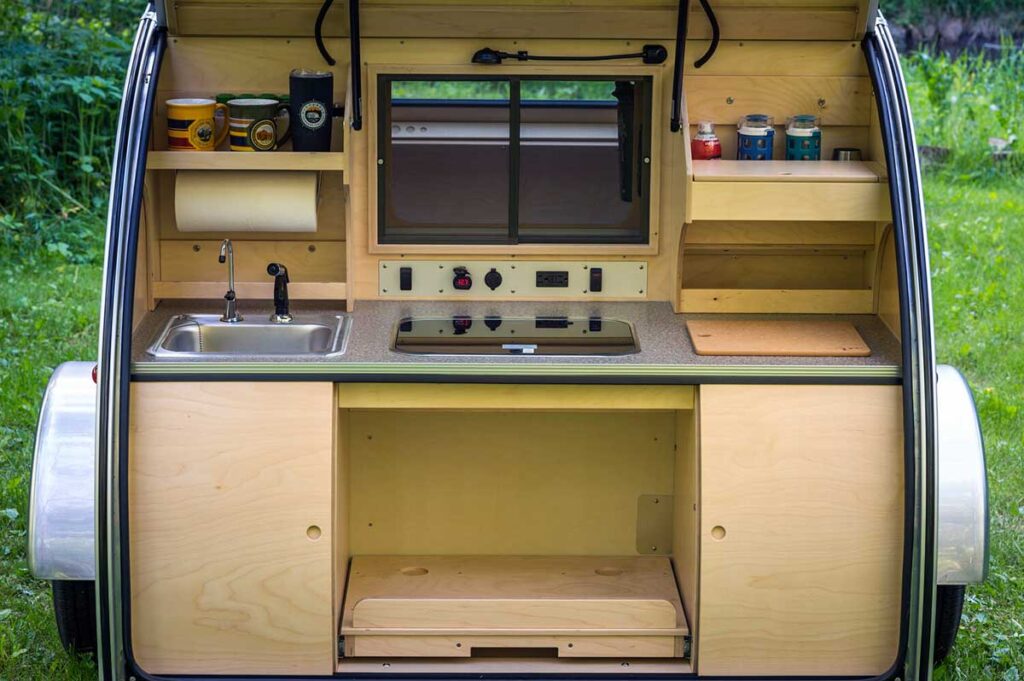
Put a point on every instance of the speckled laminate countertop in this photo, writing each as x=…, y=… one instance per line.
x=666, y=353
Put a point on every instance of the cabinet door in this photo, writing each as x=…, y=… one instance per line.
x=801, y=529
x=231, y=527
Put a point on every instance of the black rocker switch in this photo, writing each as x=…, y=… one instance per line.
x=405, y=278
x=596, y=279
x=462, y=281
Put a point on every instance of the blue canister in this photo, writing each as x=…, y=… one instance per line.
x=803, y=138
x=755, y=138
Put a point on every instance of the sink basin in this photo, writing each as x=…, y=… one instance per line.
x=204, y=335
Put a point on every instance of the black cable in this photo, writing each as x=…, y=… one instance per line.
x=602, y=57
x=650, y=54
x=318, y=33
x=716, y=35
x=677, y=72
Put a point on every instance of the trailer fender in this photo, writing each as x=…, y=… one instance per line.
x=962, y=490
x=62, y=509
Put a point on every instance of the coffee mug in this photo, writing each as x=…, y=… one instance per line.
x=311, y=95
x=253, y=124
x=191, y=126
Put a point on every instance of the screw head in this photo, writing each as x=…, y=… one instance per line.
x=730, y=101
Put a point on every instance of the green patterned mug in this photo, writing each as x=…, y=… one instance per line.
x=253, y=124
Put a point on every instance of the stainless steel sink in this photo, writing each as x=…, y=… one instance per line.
x=205, y=336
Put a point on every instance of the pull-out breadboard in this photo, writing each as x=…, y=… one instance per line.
x=458, y=606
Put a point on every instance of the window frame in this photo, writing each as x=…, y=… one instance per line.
x=384, y=158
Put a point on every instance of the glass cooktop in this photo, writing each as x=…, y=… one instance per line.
x=537, y=336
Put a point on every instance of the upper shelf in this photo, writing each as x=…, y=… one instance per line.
x=238, y=160
x=787, y=171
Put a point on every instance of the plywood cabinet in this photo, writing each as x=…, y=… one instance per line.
x=230, y=517
x=800, y=530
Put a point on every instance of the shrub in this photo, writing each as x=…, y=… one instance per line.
x=961, y=104
x=61, y=73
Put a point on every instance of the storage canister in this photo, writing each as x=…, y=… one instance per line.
x=755, y=138
x=803, y=138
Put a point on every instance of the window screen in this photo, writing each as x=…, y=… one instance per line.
x=513, y=160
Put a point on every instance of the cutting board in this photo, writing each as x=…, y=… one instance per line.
x=776, y=338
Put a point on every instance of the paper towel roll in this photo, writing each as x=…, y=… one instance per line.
x=245, y=200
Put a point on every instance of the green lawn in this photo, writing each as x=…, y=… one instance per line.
x=48, y=315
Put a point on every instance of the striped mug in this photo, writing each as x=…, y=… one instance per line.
x=254, y=126
x=191, y=126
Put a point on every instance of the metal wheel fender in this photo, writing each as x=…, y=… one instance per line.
x=962, y=490
x=62, y=508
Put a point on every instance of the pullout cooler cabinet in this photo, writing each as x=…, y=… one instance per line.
x=593, y=408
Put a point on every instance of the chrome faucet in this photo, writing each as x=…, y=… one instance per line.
x=227, y=253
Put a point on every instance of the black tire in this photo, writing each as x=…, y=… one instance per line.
x=74, y=605
x=949, y=606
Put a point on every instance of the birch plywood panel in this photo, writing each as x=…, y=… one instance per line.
x=548, y=18
x=522, y=483
x=230, y=516
x=839, y=100
x=801, y=529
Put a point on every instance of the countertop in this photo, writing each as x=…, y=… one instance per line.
x=666, y=353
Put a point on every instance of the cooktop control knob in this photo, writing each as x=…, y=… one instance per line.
x=462, y=281
x=493, y=279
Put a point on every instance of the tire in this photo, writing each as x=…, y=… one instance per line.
x=74, y=605
x=949, y=605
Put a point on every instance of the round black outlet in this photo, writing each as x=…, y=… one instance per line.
x=493, y=279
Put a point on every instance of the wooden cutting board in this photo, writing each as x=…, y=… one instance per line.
x=776, y=338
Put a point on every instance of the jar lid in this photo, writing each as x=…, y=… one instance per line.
x=757, y=124
x=803, y=125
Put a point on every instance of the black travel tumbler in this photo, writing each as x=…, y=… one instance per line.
x=312, y=96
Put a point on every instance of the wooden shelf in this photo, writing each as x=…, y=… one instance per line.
x=444, y=606
x=787, y=171
x=332, y=161
x=809, y=191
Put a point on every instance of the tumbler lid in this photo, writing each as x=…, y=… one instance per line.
x=311, y=73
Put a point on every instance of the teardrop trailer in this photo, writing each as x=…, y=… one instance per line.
x=441, y=338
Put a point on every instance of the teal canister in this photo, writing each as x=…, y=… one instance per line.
x=803, y=138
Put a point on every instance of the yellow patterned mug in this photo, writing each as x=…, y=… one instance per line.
x=191, y=124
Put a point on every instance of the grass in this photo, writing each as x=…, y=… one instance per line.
x=48, y=315
x=977, y=241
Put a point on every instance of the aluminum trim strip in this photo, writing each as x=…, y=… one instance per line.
x=397, y=369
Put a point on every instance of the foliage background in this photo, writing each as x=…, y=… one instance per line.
x=61, y=71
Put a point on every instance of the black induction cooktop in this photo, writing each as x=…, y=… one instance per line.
x=529, y=336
